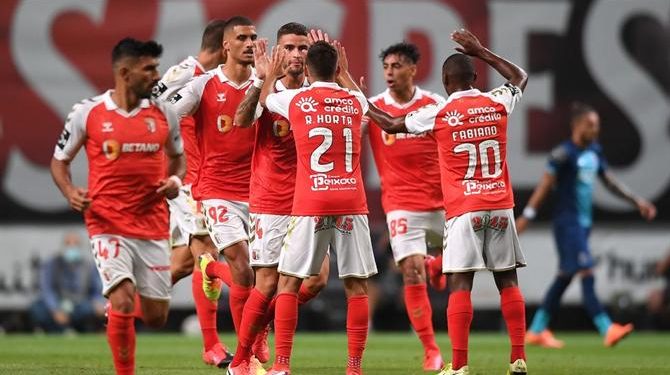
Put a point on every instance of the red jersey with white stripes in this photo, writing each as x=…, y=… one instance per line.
x=407, y=163
x=326, y=124
x=471, y=132
x=273, y=165
x=173, y=80
x=225, y=150
x=126, y=161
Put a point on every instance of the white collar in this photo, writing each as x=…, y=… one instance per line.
x=464, y=93
x=325, y=84
x=110, y=105
x=388, y=99
x=279, y=85
x=224, y=79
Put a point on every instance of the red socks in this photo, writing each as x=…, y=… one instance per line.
x=252, y=323
x=514, y=312
x=206, y=311
x=357, y=328
x=121, y=339
x=459, y=317
x=220, y=270
x=420, y=314
x=286, y=321
x=237, y=298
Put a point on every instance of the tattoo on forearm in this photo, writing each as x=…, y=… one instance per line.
x=247, y=108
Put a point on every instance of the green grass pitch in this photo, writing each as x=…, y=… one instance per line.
x=324, y=354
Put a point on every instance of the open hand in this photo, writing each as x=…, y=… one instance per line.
x=470, y=45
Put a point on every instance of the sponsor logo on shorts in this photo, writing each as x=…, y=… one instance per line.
x=343, y=224
x=497, y=223
x=323, y=181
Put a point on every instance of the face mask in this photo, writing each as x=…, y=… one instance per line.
x=72, y=254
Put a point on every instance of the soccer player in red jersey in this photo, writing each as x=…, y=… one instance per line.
x=222, y=184
x=329, y=204
x=186, y=220
x=273, y=173
x=471, y=133
x=411, y=194
x=126, y=138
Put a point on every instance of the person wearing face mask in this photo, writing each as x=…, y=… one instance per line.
x=70, y=291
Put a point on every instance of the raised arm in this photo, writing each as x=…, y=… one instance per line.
x=470, y=45
x=536, y=200
x=647, y=209
x=276, y=71
x=246, y=111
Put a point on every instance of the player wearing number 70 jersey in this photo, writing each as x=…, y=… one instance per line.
x=471, y=133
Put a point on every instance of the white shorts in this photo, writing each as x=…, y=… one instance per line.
x=412, y=232
x=266, y=238
x=185, y=219
x=227, y=221
x=310, y=237
x=144, y=262
x=481, y=240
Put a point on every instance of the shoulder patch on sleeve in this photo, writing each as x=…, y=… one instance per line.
x=559, y=153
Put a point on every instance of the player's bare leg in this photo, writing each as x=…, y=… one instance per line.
x=237, y=257
x=181, y=263
x=358, y=315
x=311, y=286
x=514, y=312
x=214, y=352
x=419, y=310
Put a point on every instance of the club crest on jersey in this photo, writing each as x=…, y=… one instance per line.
x=281, y=128
x=307, y=104
x=107, y=127
x=388, y=139
x=151, y=124
x=453, y=118
x=221, y=97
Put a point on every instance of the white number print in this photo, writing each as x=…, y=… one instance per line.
x=484, y=147
x=326, y=144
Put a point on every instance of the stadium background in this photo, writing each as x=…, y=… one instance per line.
x=612, y=54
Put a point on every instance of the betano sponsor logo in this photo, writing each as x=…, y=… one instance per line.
x=322, y=182
x=112, y=149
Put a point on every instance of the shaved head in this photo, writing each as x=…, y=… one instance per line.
x=458, y=69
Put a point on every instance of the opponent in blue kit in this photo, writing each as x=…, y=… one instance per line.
x=571, y=173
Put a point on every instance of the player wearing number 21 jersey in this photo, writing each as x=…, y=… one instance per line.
x=329, y=205
x=471, y=132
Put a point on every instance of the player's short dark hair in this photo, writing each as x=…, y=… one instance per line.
x=459, y=68
x=130, y=47
x=579, y=109
x=408, y=50
x=237, y=21
x=292, y=28
x=212, y=37
x=322, y=59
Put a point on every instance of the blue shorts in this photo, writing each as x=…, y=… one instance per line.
x=572, y=241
